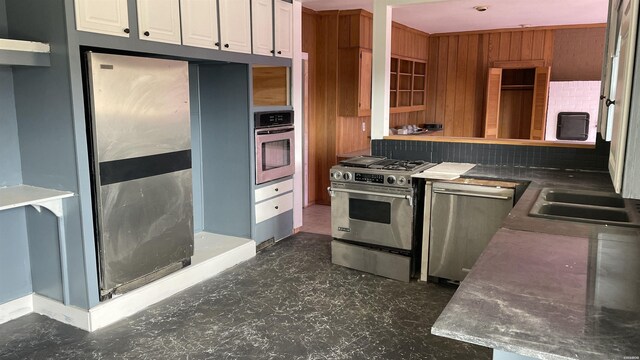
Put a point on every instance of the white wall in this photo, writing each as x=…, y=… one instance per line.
x=296, y=95
x=573, y=96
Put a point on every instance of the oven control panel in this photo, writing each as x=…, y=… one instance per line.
x=369, y=178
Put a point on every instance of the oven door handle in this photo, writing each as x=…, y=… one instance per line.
x=332, y=192
x=465, y=193
x=273, y=132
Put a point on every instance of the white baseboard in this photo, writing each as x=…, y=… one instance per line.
x=56, y=310
x=16, y=308
x=214, y=254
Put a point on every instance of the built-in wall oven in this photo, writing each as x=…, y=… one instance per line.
x=274, y=137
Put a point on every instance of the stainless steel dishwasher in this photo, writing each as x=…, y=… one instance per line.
x=463, y=220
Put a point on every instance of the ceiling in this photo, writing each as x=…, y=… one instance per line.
x=459, y=15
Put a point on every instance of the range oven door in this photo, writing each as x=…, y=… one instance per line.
x=367, y=215
x=274, y=153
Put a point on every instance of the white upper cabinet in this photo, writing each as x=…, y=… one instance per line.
x=235, y=25
x=262, y=26
x=109, y=17
x=199, y=23
x=284, y=29
x=159, y=20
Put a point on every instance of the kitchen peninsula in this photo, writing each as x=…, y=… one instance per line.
x=550, y=289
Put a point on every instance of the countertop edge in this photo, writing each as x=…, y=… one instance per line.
x=496, y=345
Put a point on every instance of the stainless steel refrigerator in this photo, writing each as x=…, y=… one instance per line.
x=140, y=140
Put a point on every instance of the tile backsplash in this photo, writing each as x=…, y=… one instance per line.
x=496, y=154
x=573, y=96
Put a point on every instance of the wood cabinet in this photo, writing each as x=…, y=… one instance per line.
x=270, y=86
x=283, y=30
x=235, y=25
x=199, y=23
x=159, y=20
x=516, y=103
x=407, y=85
x=354, y=82
x=262, y=27
x=102, y=17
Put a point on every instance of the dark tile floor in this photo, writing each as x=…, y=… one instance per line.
x=289, y=302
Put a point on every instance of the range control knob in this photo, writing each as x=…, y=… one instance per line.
x=347, y=176
x=337, y=175
x=391, y=179
x=402, y=180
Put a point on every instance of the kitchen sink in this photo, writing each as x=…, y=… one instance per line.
x=585, y=198
x=592, y=213
x=586, y=206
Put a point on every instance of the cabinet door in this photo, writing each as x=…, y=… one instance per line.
x=235, y=25
x=627, y=17
x=109, y=17
x=492, y=112
x=609, y=73
x=199, y=23
x=284, y=29
x=364, y=96
x=159, y=20
x=539, y=106
x=262, y=27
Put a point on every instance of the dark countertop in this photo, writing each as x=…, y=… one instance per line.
x=550, y=289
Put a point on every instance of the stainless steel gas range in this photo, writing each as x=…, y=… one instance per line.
x=374, y=204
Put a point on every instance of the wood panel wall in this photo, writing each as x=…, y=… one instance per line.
x=457, y=73
x=408, y=42
x=324, y=34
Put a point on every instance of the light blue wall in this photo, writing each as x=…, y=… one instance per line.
x=47, y=145
x=15, y=273
x=226, y=136
x=11, y=172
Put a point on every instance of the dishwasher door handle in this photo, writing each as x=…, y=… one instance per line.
x=363, y=192
x=465, y=193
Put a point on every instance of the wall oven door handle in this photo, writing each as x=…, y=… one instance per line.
x=273, y=132
x=465, y=193
x=362, y=192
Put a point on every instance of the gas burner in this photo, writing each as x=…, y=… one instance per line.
x=400, y=165
x=378, y=171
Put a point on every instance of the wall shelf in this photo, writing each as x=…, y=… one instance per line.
x=24, y=195
x=408, y=86
x=24, y=53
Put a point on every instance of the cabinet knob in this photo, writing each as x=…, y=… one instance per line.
x=217, y=44
x=276, y=208
x=146, y=33
x=276, y=189
x=272, y=51
x=610, y=102
x=226, y=46
x=126, y=30
x=279, y=52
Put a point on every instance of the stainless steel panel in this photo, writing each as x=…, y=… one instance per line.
x=140, y=106
x=464, y=218
x=147, y=224
x=381, y=263
x=398, y=234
